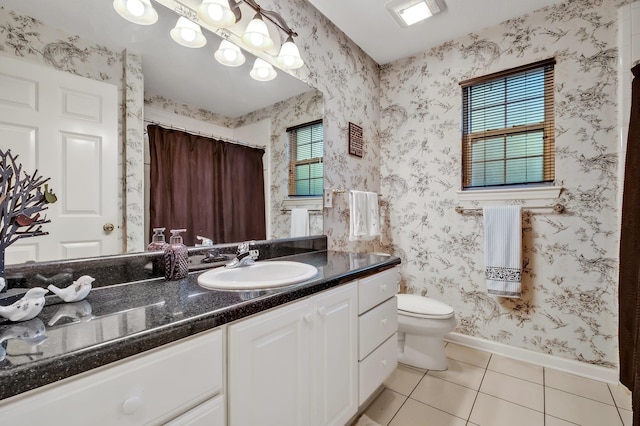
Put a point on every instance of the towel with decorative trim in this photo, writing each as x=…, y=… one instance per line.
x=373, y=217
x=503, y=250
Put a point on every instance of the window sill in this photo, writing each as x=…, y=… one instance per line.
x=309, y=203
x=538, y=193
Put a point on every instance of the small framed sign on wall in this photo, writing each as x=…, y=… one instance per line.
x=356, y=142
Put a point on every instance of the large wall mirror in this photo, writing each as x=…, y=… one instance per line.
x=179, y=87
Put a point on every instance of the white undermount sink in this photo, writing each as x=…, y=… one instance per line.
x=259, y=275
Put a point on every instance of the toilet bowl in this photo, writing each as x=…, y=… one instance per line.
x=422, y=324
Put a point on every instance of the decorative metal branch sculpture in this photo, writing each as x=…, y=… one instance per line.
x=21, y=201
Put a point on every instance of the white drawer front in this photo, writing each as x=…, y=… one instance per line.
x=377, y=288
x=149, y=389
x=375, y=368
x=376, y=325
x=209, y=413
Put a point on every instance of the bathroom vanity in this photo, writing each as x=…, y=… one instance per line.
x=156, y=352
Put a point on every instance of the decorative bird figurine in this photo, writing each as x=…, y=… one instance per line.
x=76, y=291
x=78, y=312
x=33, y=332
x=3, y=283
x=27, y=307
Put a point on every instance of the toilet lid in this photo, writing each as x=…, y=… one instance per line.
x=424, y=307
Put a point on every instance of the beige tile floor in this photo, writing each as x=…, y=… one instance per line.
x=485, y=389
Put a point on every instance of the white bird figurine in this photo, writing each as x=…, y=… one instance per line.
x=27, y=307
x=33, y=332
x=76, y=291
x=78, y=311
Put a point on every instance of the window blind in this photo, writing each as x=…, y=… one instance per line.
x=306, y=150
x=508, y=127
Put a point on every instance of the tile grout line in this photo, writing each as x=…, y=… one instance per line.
x=478, y=391
x=615, y=404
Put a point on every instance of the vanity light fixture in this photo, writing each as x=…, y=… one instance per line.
x=229, y=54
x=219, y=13
x=262, y=70
x=137, y=11
x=289, y=56
x=257, y=34
x=188, y=33
x=410, y=12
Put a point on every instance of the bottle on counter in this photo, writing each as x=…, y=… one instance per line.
x=158, y=243
x=176, y=258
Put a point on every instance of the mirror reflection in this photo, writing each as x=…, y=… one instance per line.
x=109, y=70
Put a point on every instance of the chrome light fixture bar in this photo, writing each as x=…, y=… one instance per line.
x=224, y=13
x=217, y=14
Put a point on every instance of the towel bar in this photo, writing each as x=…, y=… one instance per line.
x=558, y=208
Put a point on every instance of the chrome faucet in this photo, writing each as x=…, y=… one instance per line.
x=244, y=256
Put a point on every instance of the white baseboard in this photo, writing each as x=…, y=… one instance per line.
x=569, y=366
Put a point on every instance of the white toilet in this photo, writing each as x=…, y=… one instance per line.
x=422, y=324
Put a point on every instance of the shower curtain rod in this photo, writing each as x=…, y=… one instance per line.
x=207, y=135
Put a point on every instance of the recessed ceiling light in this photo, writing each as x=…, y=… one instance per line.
x=409, y=12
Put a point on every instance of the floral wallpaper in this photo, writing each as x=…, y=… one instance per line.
x=569, y=302
x=290, y=112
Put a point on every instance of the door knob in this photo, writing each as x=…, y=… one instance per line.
x=108, y=227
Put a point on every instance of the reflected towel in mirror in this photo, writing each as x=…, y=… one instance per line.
x=299, y=222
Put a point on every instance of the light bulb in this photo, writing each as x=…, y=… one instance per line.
x=289, y=56
x=187, y=34
x=135, y=7
x=230, y=55
x=263, y=72
x=257, y=39
x=215, y=11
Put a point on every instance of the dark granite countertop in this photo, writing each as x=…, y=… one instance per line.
x=122, y=320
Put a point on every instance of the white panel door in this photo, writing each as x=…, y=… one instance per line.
x=336, y=357
x=66, y=127
x=270, y=368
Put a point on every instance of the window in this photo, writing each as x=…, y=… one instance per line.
x=508, y=127
x=305, y=159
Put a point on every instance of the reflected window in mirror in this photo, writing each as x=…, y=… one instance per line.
x=306, y=169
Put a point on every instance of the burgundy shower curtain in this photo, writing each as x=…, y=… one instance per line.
x=629, y=290
x=212, y=188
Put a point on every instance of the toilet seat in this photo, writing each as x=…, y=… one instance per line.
x=417, y=306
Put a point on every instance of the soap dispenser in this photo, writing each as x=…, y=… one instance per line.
x=158, y=243
x=176, y=259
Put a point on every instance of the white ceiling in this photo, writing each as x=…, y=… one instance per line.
x=370, y=26
x=192, y=76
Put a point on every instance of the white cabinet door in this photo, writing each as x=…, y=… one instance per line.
x=270, y=368
x=335, y=350
x=296, y=365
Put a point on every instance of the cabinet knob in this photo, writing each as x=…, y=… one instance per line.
x=383, y=288
x=383, y=322
x=383, y=363
x=131, y=405
x=307, y=317
x=321, y=311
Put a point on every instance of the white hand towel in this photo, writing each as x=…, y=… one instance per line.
x=358, y=227
x=503, y=250
x=299, y=222
x=373, y=218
